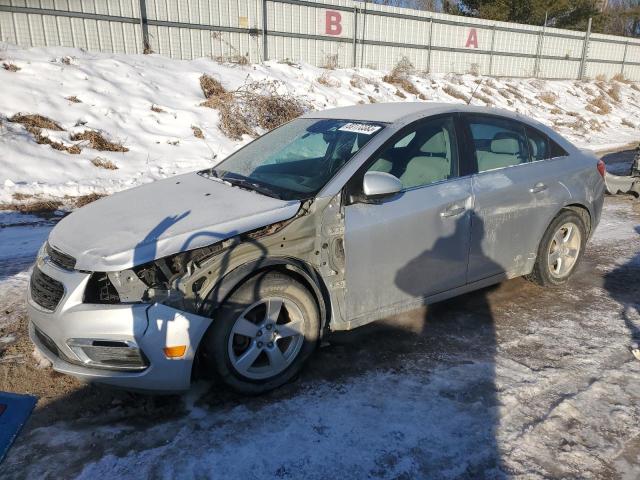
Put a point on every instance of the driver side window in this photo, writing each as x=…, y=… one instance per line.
x=421, y=156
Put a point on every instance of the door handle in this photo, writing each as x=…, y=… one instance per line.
x=452, y=211
x=538, y=187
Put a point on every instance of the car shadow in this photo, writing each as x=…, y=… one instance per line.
x=458, y=334
x=623, y=285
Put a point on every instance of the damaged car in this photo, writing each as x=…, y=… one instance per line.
x=329, y=222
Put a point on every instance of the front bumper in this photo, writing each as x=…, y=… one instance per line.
x=151, y=326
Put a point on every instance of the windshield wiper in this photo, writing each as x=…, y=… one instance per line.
x=251, y=186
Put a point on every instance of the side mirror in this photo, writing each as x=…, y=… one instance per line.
x=379, y=184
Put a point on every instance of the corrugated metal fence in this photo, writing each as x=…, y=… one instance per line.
x=342, y=33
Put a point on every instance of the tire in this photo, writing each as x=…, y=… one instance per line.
x=557, y=258
x=245, y=355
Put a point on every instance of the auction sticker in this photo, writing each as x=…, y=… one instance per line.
x=365, y=128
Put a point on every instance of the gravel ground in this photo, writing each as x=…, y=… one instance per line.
x=510, y=381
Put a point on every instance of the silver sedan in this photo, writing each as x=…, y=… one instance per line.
x=329, y=222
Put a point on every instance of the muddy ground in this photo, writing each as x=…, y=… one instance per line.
x=510, y=381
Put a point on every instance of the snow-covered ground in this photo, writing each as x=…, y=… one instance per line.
x=509, y=382
x=116, y=94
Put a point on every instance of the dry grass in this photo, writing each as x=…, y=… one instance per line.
x=233, y=59
x=155, y=108
x=36, y=206
x=330, y=61
x=212, y=88
x=599, y=105
x=556, y=111
x=628, y=123
x=36, y=121
x=455, y=93
x=474, y=69
x=44, y=140
x=358, y=81
x=619, y=77
x=83, y=200
x=614, y=92
x=328, y=81
x=400, y=94
x=11, y=67
x=635, y=87
x=98, y=142
x=399, y=76
x=548, y=97
x=197, y=132
x=484, y=98
x=104, y=163
x=371, y=99
x=256, y=105
x=601, y=77
x=73, y=99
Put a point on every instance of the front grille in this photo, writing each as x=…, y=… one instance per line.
x=45, y=291
x=60, y=259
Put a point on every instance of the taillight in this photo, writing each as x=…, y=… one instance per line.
x=602, y=168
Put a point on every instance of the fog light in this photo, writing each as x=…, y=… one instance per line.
x=109, y=354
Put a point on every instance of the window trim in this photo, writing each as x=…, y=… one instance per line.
x=353, y=187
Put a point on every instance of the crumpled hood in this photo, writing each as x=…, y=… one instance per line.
x=162, y=218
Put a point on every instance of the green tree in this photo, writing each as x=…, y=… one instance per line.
x=573, y=14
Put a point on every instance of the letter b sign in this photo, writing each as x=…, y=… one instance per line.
x=333, y=25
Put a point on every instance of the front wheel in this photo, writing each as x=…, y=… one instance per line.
x=560, y=250
x=262, y=335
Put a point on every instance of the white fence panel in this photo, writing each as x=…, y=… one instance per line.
x=340, y=33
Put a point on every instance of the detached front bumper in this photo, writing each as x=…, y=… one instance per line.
x=152, y=327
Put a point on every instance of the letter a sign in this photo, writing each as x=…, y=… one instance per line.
x=472, y=39
x=333, y=25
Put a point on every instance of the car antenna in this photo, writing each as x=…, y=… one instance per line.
x=474, y=92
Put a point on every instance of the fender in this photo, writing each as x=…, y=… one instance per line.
x=229, y=282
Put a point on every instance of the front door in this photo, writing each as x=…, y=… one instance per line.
x=414, y=244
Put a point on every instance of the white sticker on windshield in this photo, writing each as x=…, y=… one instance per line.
x=365, y=128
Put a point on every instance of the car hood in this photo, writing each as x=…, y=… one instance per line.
x=162, y=218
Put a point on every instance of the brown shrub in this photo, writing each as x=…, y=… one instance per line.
x=36, y=121
x=599, y=105
x=635, y=87
x=483, y=98
x=399, y=76
x=330, y=61
x=326, y=80
x=455, y=93
x=371, y=99
x=83, y=200
x=104, y=163
x=197, y=132
x=21, y=196
x=548, y=97
x=98, y=142
x=556, y=111
x=234, y=59
x=73, y=99
x=400, y=94
x=10, y=67
x=211, y=88
x=601, y=77
x=256, y=105
x=155, y=108
x=474, y=69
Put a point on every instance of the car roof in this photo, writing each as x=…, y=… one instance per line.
x=398, y=111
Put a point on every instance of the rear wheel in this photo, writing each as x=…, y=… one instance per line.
x=560, y=250
x=262, y=335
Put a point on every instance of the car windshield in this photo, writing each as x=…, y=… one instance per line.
x=297, y=159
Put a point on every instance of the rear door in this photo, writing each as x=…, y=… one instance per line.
x=516, y=194
x=414, y=244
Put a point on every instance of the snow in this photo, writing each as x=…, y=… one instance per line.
x=117, y=92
